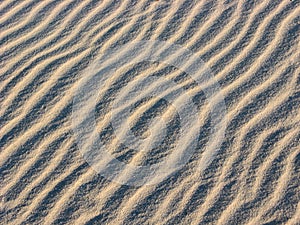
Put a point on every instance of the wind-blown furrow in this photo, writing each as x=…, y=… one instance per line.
x=63, y=162
x=5, y=6
x=8, y=6
x=263, y=144
x=258, y=203
x=20, y=204
x=260, y=60
x=33, y=35
x=63, y=30
x=215, y=28
x=199, y=6
x=47, y=197
x=295, y=217
x=195, y=44
x=101, y=198
x=239, y=63
x=263, y=148
x=167, y=28
x=216, y=191
x=42, y=57
x=290, y=199
x=250, y=59
x=39, y=58
x=252, y=51
x=11, y=49
x=16, y=13
x=199, y=28
x=52, y=113
x=24, y=150
x=235, y=70
x=39, y=14
x=110, y=188
x=260, y=88
x=32, y=169
x=235, y=204
x=282, y=181
x=171, y=11
x=52, y=53
x=275, y=155
x=124, y=206
x=59, y=207
x=247, y=128
x=129, y=202
x=232, y=31
x=240, y=31
x=34, y=156
x=206, y=84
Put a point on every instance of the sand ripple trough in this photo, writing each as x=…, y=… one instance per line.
x=242, y=84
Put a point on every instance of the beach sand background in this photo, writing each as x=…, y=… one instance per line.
x=252, y=50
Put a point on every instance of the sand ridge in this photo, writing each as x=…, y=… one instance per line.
x=250, y=47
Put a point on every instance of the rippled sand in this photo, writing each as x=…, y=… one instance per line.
x=251, y=49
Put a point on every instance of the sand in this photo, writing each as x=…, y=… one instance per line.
x=150, y=112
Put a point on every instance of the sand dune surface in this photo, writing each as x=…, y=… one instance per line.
x=150, y=112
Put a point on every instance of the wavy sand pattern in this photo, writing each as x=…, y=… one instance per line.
x=252, y=49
